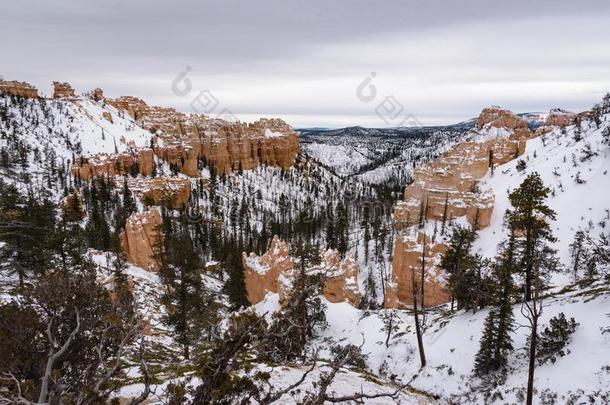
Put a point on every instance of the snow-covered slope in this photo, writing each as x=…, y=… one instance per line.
x=41, y=135
x=577, y=171
x=451, y=341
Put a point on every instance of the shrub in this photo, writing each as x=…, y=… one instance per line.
x=554, y=339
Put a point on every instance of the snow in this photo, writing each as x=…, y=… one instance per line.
x=452, y=340
x=578, y=206
x=272, y=134
x=254, y=263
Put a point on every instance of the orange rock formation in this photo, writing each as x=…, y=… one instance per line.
x=446, y=189
x=97, y=94
x=171, y=192
x=559, y=118
x=63, y=90
x=19, y=89
x=140, y=237
x=274, y=272
x=104, y=164
x=183, y=138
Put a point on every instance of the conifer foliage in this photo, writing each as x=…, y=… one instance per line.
x=530, y=215
x=496, y=342
x=192, y=310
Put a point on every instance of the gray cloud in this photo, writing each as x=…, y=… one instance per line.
x=443, y=60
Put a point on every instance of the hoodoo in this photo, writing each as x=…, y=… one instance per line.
x=447, y=189
x=275, y=269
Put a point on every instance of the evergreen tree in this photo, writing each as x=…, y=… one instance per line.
x=456, y=262
x=300, y=317
x=27, y=230
x=530, y=215
x=192, y=311
x=129, y=203
x=496, y=342
x=235, y=286
x=554, y=338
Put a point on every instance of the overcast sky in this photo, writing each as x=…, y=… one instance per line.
x=318, y=63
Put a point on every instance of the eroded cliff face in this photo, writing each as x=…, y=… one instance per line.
x=185, y=141
x=137, y=161
x=182, y=139
x=274, y=272
x=63, y=90
x=140, y=237
x=556, y=118
x=18, y=89
x=444, y=190
x=170, y=192
x=262, y=273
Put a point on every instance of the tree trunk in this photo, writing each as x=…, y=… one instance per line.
x=423, y=273
x=528, y=284
x=477, y=298
x=420, y=342
x=532, y=362
x=418, y=331
x=387, y=339
x=529, y=256
x=382, y=271
x=183, y=315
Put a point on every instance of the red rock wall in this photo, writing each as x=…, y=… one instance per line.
x=274, y=272
x=182, y=138
x=171, y=192
x=449, y=187
x=63, y=90
x=500, y=118
x=261, y=274
x=140, y=238
x=19, y=89
x=110, y=165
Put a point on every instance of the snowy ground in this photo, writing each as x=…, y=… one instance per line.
x=557, y=158
x=452, y=340
x=347, y=382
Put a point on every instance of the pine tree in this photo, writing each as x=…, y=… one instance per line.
x=485, y=362
x=554, y=338
x=496, y=342
x=129, y=204
x=122, y=295
x=578, y=253
x=390, y=324
x=191, y=309
x=301, y=316
x=458, y=262
x=529, y=215
x=235, y=286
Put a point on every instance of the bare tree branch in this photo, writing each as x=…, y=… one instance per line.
x=54, y=355
x=147, y=378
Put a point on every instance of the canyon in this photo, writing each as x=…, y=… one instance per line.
x=180, y=143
